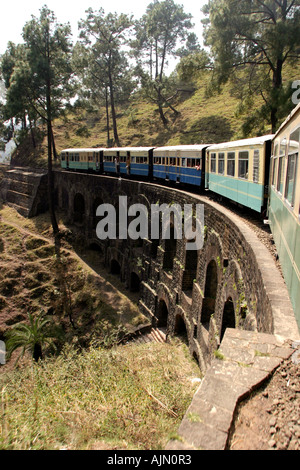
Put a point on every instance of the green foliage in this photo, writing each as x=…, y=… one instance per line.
x=100, y=61
x=158, y=32
x=262, y=36
x=31, y=337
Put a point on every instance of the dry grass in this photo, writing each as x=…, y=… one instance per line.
x=31, y=280
x=129, y=397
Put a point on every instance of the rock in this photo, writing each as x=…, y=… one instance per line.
x=272, y=421
x=272, y=443
x=296, y=357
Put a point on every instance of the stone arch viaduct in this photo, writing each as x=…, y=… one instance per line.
x=231, y=282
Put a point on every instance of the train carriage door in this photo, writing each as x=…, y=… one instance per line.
x=203, y=168
x=96, y=161
x=67, y=159
x=150, y=164
x=207, y=169
x=128, y=161
x=178, y=167
x=167, y=163
x=101, y=161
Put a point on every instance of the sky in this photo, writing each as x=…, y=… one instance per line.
x=13, y=16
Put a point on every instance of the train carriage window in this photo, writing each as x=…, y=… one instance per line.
x=275, y=166
x=280, y=178
x=183, y=162
x=213, y=162
x=256, y=166
x=63, y=157
x=293, y=154
x=243, y=164
x=221, y=163
x=198, y=163
x=231, y=164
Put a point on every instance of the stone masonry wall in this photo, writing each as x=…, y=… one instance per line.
x=233, y=283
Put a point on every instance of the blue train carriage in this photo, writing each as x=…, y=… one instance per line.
x=239, y=171
x=141, y=162
x=131, y=161
x=284, y=203
x=180, y=163
x=82, y=159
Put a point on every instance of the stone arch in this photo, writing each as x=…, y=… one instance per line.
x=162, y=313
x=154, y=248
x=228, y=318
x=135, y=282
x=170, y=249
x=190, y=270
x=180, y=328
x=196, y=358
x=79, y=208
x=234, y=287
x=115, y=267
x=210, y=293
x=96, y=203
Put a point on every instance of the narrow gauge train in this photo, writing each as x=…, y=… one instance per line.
x=236, y=170
x=260, y=173
x=183, y=163
x=284, y=203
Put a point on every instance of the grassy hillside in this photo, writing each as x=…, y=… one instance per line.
x=202, y=119
x=34, y=278
x=130, y=397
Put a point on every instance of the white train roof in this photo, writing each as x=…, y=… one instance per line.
x=182, y=147
x=128, y=149
x=180, y=150
x=92, y=149
x=242, y=143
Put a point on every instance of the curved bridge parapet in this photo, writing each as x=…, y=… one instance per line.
x=231, y=282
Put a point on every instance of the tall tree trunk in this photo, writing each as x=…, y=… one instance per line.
x=107, y=118
x=53, y=144
x=50, y=172
x=162, y=116
x=276, y=85
x=113, y=111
